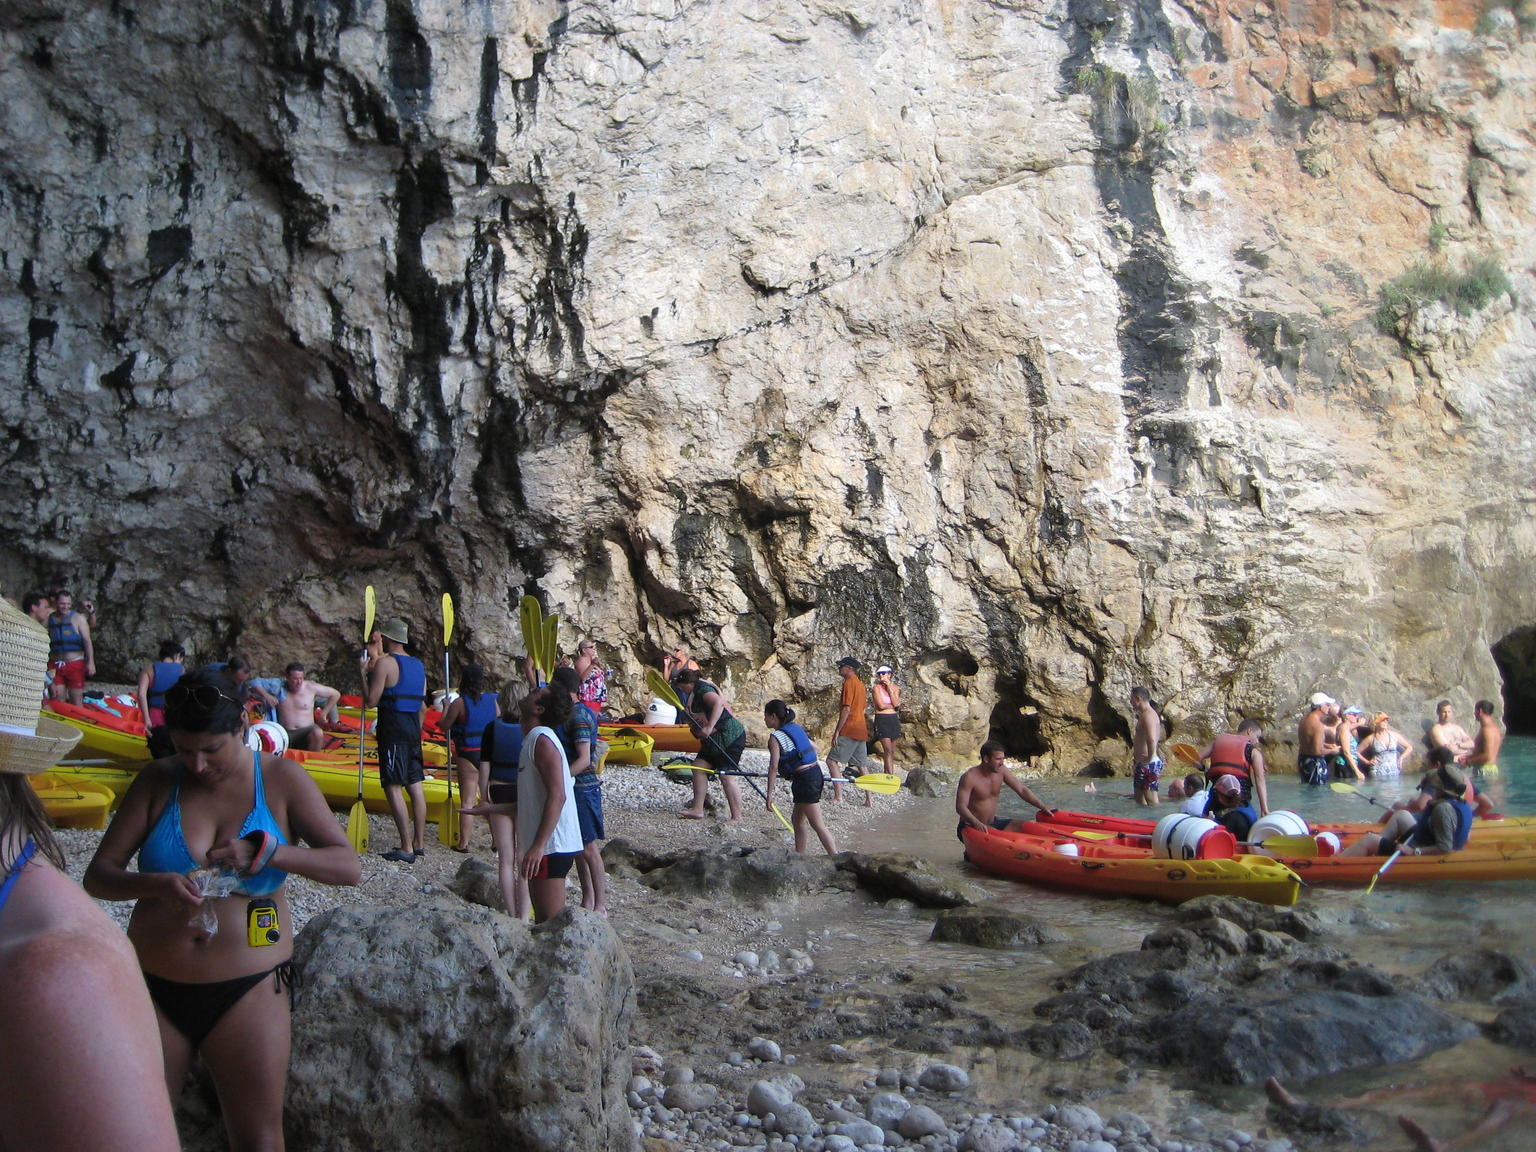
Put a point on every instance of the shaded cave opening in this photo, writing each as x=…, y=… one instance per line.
x=1515, y=658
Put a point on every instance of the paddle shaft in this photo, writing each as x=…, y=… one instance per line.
x=362, y=727
x=659, y=685
x=448, y=826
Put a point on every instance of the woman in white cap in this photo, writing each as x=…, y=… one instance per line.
x=80, y=1064
x=885, y=694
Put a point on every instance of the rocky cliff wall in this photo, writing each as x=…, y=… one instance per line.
x=1032, y=346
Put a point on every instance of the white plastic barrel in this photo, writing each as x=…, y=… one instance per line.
x=660, y=712
x=1067, y=849
x=1280, y=823
x=1181, y=837
x=1327, y=844
x=267, y=736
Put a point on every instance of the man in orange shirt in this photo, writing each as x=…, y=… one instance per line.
x=850, y=738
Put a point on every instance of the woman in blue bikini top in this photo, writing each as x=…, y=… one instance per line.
x=217, y=829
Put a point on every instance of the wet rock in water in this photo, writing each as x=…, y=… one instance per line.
x=755, y=877
x=944, y=1078
x=992, y=926
x=919, y=1121
x=931, y=782
x=1298, y=1036
x=888, y=875
x=1063, y=1040
x=761, y=1048
x=1516, y=1026
x=691, y=1097
x=452, y=1027
x=1481, y=974
x=1249, y=915
x=476, y=882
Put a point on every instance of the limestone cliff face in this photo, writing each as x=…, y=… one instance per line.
x=1030, y=346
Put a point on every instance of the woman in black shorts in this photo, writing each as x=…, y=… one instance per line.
x=791, y=752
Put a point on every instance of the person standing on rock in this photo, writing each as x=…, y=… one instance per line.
x=80, y=1062
x=850, y=735
x=791, y=752
x=980, y=786
x=722, y=740
x=397, y=687
x=886, y=694
x=579, y=735
x=1146, y=763
x=1315, y=744
x=70, y=651
x=1238, y=754
x=501, y=751
x=466, y=720
x=217, y=830
x=548, y=829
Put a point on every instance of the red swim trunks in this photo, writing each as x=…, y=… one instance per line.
x=70, y=673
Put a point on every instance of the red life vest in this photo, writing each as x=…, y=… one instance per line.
x=1229, y=756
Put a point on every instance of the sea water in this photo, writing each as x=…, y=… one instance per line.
x=1409, y=928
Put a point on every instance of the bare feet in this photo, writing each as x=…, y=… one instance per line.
x=689, y=814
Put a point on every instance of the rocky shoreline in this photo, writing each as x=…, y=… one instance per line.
x=720, y=1007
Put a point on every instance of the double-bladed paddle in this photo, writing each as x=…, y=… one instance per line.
x=448, y=826
x=357, y=818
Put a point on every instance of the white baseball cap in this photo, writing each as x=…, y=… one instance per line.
x=1320, y=700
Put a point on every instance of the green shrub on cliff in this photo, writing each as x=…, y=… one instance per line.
x=1467, y=290
x=1521, y=12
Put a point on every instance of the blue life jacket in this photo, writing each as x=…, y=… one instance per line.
x=477, y=714
x=165, y=674
x=64, y=637
x=804, y=754
x=409, y=692
x=1422, y=835
x=502, y=748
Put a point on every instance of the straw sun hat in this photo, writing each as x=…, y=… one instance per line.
x=29, y=742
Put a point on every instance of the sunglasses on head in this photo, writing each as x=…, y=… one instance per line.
x=204, y=697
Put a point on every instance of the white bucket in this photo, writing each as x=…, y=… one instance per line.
x=660, y=712
x=1280, y=823
x=267, y=736
x=1327, y=844
x=1067, y=849
x=1181, y=837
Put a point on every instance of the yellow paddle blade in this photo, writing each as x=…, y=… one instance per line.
x=448, y=824
x=357, y=828
x=659, y=687
x=1340, y=786
x=368, y=613
x=529, y=618
x=882, y=782
x=1290, y=845
x=1187, y=753
x=551, y=643
x=447, y=619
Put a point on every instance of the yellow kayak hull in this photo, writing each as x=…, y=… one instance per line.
x=73, y=803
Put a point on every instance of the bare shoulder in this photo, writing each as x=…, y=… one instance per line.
x=61, y=935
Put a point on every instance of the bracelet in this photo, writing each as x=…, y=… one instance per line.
x=266, y=847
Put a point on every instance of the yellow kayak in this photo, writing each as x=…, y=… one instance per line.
x=73, y=803
x=628, y=745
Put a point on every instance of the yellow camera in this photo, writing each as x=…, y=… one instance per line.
x=261, y=924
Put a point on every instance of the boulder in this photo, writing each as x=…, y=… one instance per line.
x=931, y=782
x=1478, y=974
x=919, y=1121
x=992, y=926
x=476, y=881
x=908, y=877
x=1516, y=1026
x=1249, y=915
x=757, y=876
x=944, y=1078
x=453, y=1027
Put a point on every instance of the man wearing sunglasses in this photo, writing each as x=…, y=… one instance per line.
x=397, y=687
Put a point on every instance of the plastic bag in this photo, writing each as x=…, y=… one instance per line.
x=213, y=884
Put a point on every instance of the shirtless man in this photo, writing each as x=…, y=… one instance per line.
x=1146, y=764
x=1315, y=744
x=1484, y=757
x=70, y=652
x=978, y=790
x=1446, y=733
x=296, y=710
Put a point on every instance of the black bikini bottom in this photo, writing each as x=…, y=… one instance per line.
x=195, y=1010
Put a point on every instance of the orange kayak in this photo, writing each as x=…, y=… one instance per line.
x=1117, y=869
